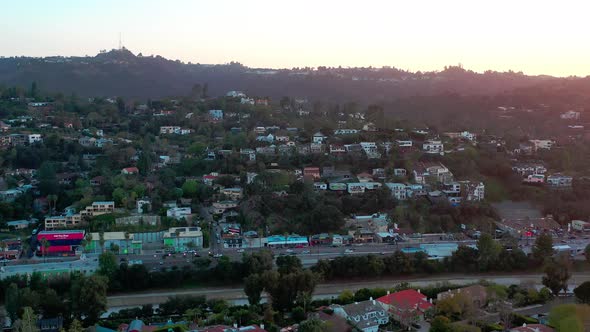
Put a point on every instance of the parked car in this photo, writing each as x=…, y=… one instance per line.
x=240, y=250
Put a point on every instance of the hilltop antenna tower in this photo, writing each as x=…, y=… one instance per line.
x=120, y=43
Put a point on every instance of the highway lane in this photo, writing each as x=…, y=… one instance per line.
x=235, y=294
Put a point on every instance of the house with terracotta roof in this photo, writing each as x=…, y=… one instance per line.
x=407, y=306
x=129, y=170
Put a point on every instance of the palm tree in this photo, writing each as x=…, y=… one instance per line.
x=101, y=241
x=127, y=236
x=45, y=245
x=177, y=233
x=87, y=241
x=52, y=202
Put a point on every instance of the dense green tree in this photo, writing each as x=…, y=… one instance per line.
x=543, y=247
x=253, y=287
x=288, y=264
x=313, y=325
x=488, y=251
x=557, y=273
x=28, y=321
x=89, y=297
x=441, y=324
x=582, y=292
x=11, y=301
x=258, y=261
x=107, y=264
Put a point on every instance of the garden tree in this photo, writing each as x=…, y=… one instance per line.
x=51, y=304
x=441, y=324
x=11, y=301
x=226, y=181
x=488, y=252
x=346, y=296
x=543, y=248
x=284, y=288
x=557, y=273
x=28, y=321
x=76, y=326
x=582, y=292
x=107, y=265
x=587, y=253
x=47, y=178
x=44, y=247
x=189, y=188
x=288, y=264
x=464, y=259
x=88, y=297
x=257, y=262
x=457, y=307
x=253, y=287
x=313, y=325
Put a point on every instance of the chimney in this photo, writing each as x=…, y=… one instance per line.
x=374, y=303
x=235, y=325
x=430, y=300
x=387, y=292
x=371, y=298
x=262, y=326
x=419, y=290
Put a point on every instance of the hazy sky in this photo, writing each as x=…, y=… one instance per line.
x=537, y=37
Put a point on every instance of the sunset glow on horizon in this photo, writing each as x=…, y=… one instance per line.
x=536, y=37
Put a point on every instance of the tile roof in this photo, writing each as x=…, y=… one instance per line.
x=406, y=299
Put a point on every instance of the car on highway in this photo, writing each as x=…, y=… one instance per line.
x=161, y=263
x=217, y=255
x=348, y=251
x=289, y=250
x=305, y=252
x=240, y=250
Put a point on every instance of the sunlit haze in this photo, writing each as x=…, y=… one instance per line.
x=536, y=37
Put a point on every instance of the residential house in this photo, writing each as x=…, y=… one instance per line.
x=316, y=147
x=476, y=294
x=526, y=169
x=570, y=115
x=319, y=138
x=364, y=177
x=404, y=144
x=233, y=193
x=143, y=205
x=20, y=224
x=35, y=138
x=545, y=144
x=266, y=139
x=216, y=114
x=369, y=147
x=433, y=147
x=398, y=190
x=210, y=178
x=248, y=154
x=346, y=131
x=400, y=172
x=337, y=149
x=559, y=181
x=407, y=306
x=313, y=172
x=365, y=316
x=222, y=206
x=436, y=171
x=355, y=188
x=378, y=173
x=169, y=130
x=179, y=213
x=129, y=170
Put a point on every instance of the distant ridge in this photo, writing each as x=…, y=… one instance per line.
x=122, y=73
